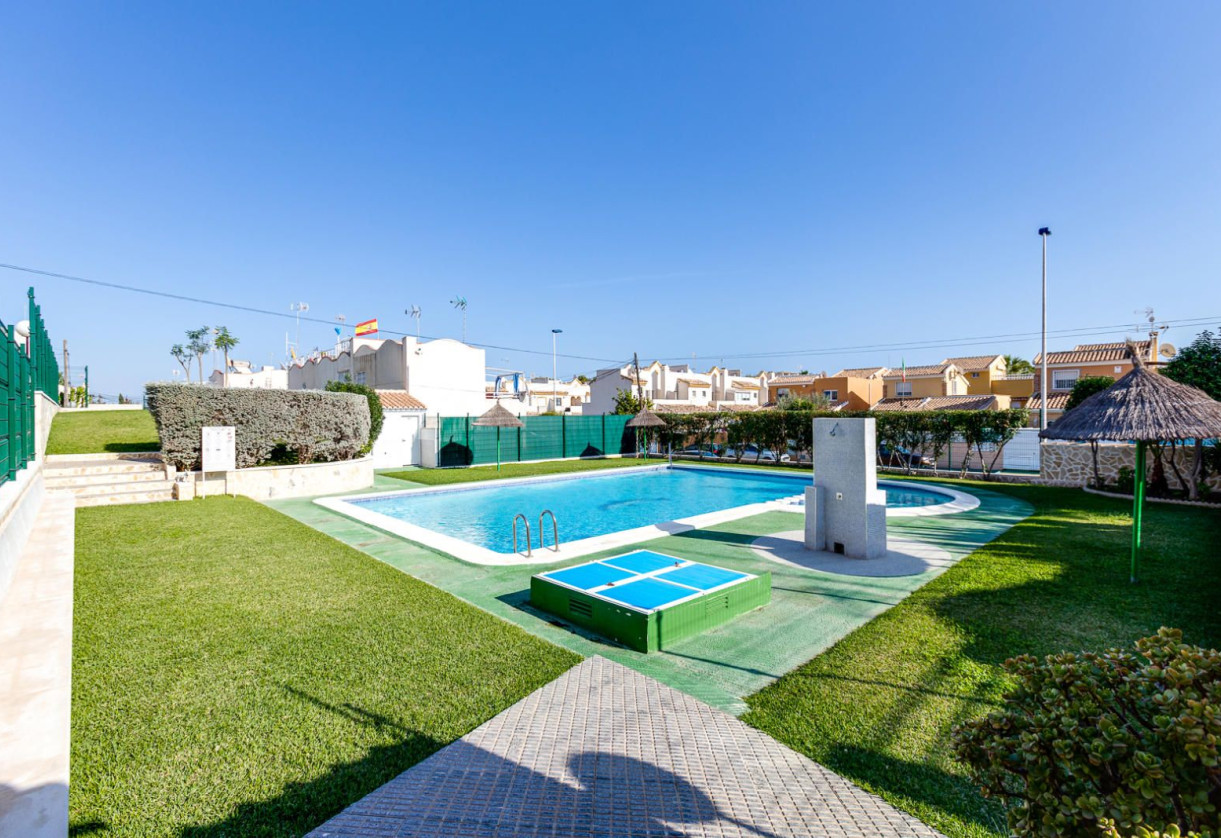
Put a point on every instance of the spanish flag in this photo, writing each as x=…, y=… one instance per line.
x=369, y=327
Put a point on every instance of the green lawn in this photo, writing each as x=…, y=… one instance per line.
x=103, y=431
x=878, y=706
x=236, y=673
x=442, y=476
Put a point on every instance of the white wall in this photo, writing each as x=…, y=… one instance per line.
x=399, y=442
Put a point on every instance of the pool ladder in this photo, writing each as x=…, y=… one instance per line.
x=555, y=532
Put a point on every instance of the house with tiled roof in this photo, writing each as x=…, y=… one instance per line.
x=943, y=403
x=678, y=388
x=1085, y=360
x=925, y=381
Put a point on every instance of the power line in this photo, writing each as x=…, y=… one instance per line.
x=253, y=310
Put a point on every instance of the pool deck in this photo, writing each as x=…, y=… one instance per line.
x=810, y=609
x=606, y=751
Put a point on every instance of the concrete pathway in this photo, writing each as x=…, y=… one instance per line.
x=606, y=751
x=36, y=678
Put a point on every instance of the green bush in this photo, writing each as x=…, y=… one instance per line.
x=376, y=415
x=1089, y=739
x=312, y=425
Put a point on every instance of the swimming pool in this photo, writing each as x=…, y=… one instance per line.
x=588, y=508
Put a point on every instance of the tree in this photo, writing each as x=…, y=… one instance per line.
x=1199, y=364
x=183, y=357
x=1017, y=366
x=1086, y=387
x=627, y=402
x=584, y=379
x=224, y=342
x=818, y=401
x=198, y=345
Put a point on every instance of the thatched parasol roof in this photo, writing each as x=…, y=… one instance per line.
x=646, y=419
x=1142, y=407
x=498, y=417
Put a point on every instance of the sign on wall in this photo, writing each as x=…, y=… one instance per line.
x=219, y=450
x=369, y=327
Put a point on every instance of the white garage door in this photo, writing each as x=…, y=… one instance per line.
x=399, y=443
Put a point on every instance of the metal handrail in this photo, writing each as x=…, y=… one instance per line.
x=529, y=553
x=555, y=530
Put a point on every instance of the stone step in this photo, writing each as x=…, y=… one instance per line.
x=115, y=493
x=70, y=482
x=64, y=468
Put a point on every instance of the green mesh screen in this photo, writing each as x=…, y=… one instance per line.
x=462, y=443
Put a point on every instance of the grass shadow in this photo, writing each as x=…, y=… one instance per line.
x=131, y=448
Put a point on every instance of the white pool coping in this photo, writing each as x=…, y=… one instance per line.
x=475, y=554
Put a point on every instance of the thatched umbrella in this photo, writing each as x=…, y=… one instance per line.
x=1141, y=407
x=646, y=419
x=498, y=417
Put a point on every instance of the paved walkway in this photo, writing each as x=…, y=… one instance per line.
x=36, y=678
x=606, y=751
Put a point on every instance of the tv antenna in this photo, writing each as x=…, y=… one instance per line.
x=297, y=308
x=414, y=311
x=460, y=304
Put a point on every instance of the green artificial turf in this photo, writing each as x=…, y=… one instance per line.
x=443, y=476
x=103, y=431
x=236, y=673
x=878, y=706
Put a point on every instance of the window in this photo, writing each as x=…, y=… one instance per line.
x=903, y=388
x=832, y=395
x=360, y=378
x=781, y=392
x=1064, y=379
x=975, y=375
x=1118, y=370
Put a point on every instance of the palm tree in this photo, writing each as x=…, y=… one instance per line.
x=1017, y=366
x=199, y=346
x=224, y=342
x=182, y=356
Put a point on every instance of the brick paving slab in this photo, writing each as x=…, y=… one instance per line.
x=606, y=751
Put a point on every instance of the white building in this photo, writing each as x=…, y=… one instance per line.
x=678, y=389
x=446, y=375
x=403, y=418
x=242, y=374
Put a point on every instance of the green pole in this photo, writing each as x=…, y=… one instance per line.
x=498, y=448
x=86, y=385
x=1138, y=502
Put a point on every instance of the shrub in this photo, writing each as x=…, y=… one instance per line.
x=312, y=425
x=1089, y=739
x=376, y=415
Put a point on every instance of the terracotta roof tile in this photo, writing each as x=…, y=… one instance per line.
x=973, y=363
x=1093, y=353
x=938, y=403
x=781, y=380
x=399, y=400
x=1057, y=401
x=925, y=371
x=861, y=372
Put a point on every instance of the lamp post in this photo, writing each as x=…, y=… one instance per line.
x=1044, y=232
x=554, y=383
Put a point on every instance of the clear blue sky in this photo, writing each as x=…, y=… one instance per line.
x=666, y=178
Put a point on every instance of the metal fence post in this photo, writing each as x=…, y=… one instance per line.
x=10, y=351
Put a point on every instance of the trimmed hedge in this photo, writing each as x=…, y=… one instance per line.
x=377, y=416
x=311, y=424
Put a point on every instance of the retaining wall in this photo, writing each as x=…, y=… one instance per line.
x=267, y=482
x=1071, y=463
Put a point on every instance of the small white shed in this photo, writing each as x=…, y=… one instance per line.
x=399, y=442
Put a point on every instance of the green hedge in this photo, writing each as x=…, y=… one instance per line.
x=927, y=431
x=310, y=424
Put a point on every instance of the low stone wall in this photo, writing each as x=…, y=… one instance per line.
x=267, y=482
x=45, y=409
x=1072, y=464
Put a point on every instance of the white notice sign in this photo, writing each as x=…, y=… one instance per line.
x=219, y=449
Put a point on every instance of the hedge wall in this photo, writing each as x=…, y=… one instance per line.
x=313, y=425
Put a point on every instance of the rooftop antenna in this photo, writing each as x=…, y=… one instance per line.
x=414, y=311
x=459, y=303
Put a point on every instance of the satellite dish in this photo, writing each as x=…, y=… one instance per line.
x=1167, y=350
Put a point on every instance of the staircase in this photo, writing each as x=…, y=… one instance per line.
x=100, y=481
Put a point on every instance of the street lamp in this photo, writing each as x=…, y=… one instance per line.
x=554, y=383
x=1044, y=232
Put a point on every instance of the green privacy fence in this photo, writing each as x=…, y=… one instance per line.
x=461, y=443
x=26, y=367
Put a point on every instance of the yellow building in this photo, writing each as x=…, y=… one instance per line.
x=925, y=382
x=1066, y=368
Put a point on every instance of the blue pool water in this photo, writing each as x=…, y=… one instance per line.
x=645, y=580
x=592, y=505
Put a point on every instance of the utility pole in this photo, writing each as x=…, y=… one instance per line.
x=1044, y=232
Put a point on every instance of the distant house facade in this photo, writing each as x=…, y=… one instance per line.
x=924, y=382
x=447, y=375
x=1066, y=368
x=242, y=375
x=539, y=395
x=678, y=389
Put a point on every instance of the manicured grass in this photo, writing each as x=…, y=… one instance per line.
x=444, y=476
x=103, y=431
x=878, y=706
x=238, y=673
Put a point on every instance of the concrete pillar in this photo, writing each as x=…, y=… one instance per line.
x=845, y=509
